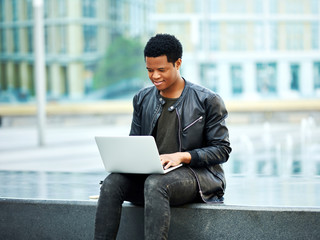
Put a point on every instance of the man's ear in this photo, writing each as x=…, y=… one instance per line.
x=178, y=63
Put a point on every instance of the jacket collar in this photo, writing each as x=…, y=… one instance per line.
x=179, y=100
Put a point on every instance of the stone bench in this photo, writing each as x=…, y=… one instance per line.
x=60, y=219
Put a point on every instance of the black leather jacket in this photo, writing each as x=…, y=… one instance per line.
x=202, y=132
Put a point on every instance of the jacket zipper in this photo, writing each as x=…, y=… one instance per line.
x=153, y=119
x=198, y=183
x=179, y=130
x=199, y=119
x=197, y=180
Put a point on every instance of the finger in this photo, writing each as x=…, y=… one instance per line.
x=168, y=165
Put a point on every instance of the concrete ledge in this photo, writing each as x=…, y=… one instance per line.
x=54, y=219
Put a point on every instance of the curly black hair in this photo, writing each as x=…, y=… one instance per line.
x=164, y=44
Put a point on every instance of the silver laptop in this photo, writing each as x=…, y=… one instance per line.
x=131, y=154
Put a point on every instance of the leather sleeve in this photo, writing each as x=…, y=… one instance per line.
x=135, y=123
x=217, y=146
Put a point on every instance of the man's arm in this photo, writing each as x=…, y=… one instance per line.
x=216, y=136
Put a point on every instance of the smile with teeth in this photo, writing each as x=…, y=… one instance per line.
x=157, y=83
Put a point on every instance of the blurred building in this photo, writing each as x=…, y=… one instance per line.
x=243, y=49
x=77, y=33
x=247, y=48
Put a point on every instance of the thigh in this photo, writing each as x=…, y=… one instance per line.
x=129, y=186
x=179, y=185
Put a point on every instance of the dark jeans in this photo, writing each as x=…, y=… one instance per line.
x=155, y=192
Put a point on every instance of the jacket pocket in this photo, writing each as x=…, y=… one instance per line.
x=199, y=119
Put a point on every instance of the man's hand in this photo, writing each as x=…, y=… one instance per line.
x=174, y=159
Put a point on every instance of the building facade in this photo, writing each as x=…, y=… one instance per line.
x=247, y=48
x=77, y=34
x=243, y=49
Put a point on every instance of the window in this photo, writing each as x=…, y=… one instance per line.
x=259, y=36
x=315, y=6
x=294, y=36
x=174, y=6
x=235, y=6
x=62, y=43
x=213, y=36
x=46, y=39
x=236, y=37
x=236, y=79
x=315, y=36
x=31, y=87
x=289, y=6
x=274, y=36
x=15, y=39
x=2, y=40
x=3, y=82
x=16, y=79
x=2, y=10
x=46, y=9
x=89, y=8
x=295, y=6
x=294, y=73
x=30, y=39
x=316, y=76
x=258, y=6
x=90, y=33
x=266, y=78
x=209, y=77
x=15, y=10
x=273, y=6
x=212, y=6
x=64, y=77
x=62, y=8
x=29, y=9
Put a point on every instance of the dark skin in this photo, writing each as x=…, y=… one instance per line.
x=166, y=78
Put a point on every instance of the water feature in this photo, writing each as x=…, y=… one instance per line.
x=271, y=164
x=277, y=151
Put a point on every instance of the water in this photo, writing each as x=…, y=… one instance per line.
x=50, y=185
x=261, y=191
x=270, y=165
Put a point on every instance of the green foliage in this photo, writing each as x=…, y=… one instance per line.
x=123, y=61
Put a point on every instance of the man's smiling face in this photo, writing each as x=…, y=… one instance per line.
x=163, y=74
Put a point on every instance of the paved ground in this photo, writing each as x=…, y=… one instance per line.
x=67, y=149
x=69, y=167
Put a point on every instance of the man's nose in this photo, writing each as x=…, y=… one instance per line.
x=155, y=75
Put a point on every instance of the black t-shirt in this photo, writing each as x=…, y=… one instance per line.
x=166, y=134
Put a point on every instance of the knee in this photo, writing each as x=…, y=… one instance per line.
x=110, y=183
x=154, y=186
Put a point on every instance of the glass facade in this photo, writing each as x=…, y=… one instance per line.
x=76, y=34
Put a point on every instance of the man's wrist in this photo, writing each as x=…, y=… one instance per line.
x=186, y=157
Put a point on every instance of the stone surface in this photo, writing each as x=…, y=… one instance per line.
x=53, y=219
